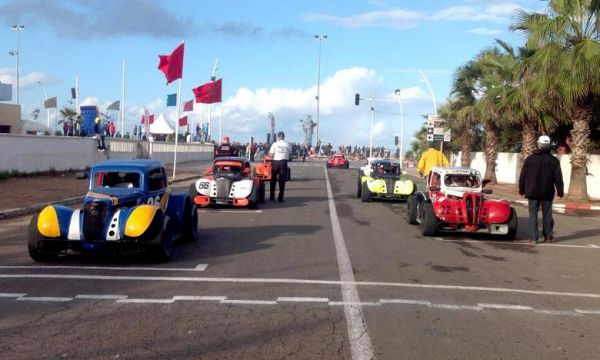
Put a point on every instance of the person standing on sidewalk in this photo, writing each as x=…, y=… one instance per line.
x=540, y=176
x=280, y=152
x=430, y=158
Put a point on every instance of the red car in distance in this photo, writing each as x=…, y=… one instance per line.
x=337, y=161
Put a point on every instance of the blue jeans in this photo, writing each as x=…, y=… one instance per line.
x=547, y=220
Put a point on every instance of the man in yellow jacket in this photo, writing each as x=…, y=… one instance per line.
x=429, y=159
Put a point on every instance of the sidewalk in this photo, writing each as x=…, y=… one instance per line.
x=510, y=192
x=28, y=195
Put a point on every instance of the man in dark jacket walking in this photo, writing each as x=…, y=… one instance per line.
x=540, y=176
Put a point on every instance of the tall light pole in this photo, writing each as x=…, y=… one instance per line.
x=320, y=38
x=15, y=53
x=398, y=93
x=45, y=97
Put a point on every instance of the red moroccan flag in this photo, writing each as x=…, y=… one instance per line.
x=188, y=105
x=183, y=121
x=172, y=65
x=149, y=117
x=209, y=93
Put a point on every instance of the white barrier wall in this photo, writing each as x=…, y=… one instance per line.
x=508, y=169
x=28, y=153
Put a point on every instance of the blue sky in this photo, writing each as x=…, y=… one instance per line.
x=267, y=57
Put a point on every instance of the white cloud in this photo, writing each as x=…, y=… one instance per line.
x=395, y=19
x=485, y=31
x=8, y=75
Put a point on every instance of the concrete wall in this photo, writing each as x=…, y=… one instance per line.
x=508, y=169
x=10, y=115
x=28, y=153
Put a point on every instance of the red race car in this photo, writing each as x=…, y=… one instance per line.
x=455, y=202
x=338, y=161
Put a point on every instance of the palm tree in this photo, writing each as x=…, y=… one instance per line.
x=567, y=36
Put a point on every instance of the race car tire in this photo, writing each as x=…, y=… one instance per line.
x=358, y=188
x=161, y=247
x=347, y=165
x=365, y=194
x=253, y=198
x=513, y=224
x=193, y=191
x=190, y=222
x=35, y=245
x=428, y=220
x=411, y=210
x=327, y=165
x=261, y=192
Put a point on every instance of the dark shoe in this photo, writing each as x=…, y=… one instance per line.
x=272, y=199
x=550, y=239
x=280, y=200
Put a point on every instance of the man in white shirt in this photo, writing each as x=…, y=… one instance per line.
x=280, y=152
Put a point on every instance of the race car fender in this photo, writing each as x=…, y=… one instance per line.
x=376, y=185
x=139, y=220
x=205, y=186
x=53, y=221
x=175, y=210
x=498, y=211
x=241, y=189
x=404, y=187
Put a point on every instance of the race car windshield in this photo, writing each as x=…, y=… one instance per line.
x=116, y=179
x=235, y=168
x=387, y=168
x=462, y=180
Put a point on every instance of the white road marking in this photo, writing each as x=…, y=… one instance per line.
x=360, y=341
x=299, y=281
x=404, y=301
x=249, y=302
x=44, y=298
x=231, y=211
x=558, y=312
x=9, y=295
x=199, y=267
x=455, y=307
x=588, y=312
x=146, y=301
x=521, y=243
x=352, y=303
x=100, y=297
x=199, y=298
x=505, y=307
x=302, y=299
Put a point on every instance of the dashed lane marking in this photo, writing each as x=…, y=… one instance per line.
x=123, y=299
x=300, y=281
x=231, y=211
x=199, y=267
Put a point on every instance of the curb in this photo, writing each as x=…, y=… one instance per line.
x=563, y=207
x=12, y=213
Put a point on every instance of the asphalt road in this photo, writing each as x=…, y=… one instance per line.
x=316, y=277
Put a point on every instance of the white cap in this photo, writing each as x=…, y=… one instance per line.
x=544, y=140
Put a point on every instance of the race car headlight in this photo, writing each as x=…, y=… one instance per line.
x=139, y=220
x=47, y=222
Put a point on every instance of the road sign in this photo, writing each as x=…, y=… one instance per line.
x=448, y=135
x=430, y=130
x=429, y=137
x=438, y=131
x=438, y=137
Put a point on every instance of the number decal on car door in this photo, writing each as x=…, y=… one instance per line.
x=153, y=200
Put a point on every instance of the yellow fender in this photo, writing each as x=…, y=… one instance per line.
x=377, y=186
x=139, y=220
x=47, y=222
x=404, y=187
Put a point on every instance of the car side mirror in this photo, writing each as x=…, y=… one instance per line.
x=487, y=191
x=485, y=182
x=209, y=170
x=434, y=188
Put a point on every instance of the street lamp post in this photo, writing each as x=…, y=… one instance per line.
x=320, y=38
x=18, y=29
x=45, y=97
x=398, y=93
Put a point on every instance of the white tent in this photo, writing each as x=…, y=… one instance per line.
x=33, y=127
x=161, y=126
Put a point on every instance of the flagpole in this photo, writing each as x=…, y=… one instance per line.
x=122, y=105
x=220, y=118
x=210, y=121
x=77, y=94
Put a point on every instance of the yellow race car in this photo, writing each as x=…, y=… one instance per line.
x=383, y=180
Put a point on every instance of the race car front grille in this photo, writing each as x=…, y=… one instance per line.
x=472, y=205
x=94, y=217
x=223, y=186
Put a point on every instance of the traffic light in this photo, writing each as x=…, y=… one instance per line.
x=356, y=99
x=396, y=140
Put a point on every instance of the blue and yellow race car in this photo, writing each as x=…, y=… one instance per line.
x=128, y=208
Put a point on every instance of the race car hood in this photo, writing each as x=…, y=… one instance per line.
x=118, y=196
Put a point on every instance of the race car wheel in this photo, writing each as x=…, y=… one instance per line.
x=161, y=247
x=261, y=191
x=347, y=165
x=358, y=188
x=411, y=209
x=253, y=198
x=193, y=191
x=327, y=165
x=190, y=222
x=35, y=244
x=365, y=194
x=428, y=220
x=513, y=224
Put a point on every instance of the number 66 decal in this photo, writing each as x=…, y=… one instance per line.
x=204, y=185
x=153, y=200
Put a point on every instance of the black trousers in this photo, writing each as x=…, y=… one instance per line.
x=547, y=219
x=278, y=174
